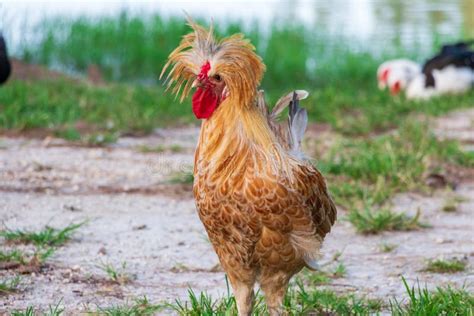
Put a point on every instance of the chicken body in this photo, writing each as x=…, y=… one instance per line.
x=265, y=209
x=263, y=219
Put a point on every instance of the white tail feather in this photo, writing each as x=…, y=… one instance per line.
x=284, y=101
x=298, y=127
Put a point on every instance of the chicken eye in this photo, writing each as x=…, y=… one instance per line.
x=217, y=78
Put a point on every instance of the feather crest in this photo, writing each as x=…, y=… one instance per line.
x=233, y=58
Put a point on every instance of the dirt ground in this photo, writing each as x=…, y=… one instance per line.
x=135, y=215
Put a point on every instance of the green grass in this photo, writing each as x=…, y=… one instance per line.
x=451, y=203
x=15, y=255
x=375, y=168
x=301, y=300
x=117, y=275
x=181, y=178
x=62, y=106
x=53, y=310
x=442, y=301
x=8, y=286
x=135, y=47
x=340, y=271
x=386, y=247
x=360, y=109
x=26, y=262
x=368, y=221
x=24, y=258
x=339, y=72
x=324, y=276
x=365, y=172
x=446, y=266
x=140, y=307
x=326, y=302
x=101, y=139
x=47, y=237
x=160, y=149
x=203, y=304
x=298, y=301
x=45, y=242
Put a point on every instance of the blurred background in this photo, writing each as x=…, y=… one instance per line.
x=73, y=35
x=305, y=44
x=88, y=134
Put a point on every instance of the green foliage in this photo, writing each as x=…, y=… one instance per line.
x=451, y=203
x=117, y=275
x=340, y=70
x=140, y=307
x=386, y=247
x=59, y=105
x=367, y=171
x=135, y=47
x=298, y=301
x=123, y=46
x=443, y=301
x=368, y=221
x=303, y=301
x=8, y=286
x=12, y=256
x=54, y=310
x=310, y=301
x=160, y=149
x=339, y=73
x=181, y=178
x=324, y=277
x=47, y=237
x=399, y=157
x=203, y=304
x=357, y=108
x=446, y=266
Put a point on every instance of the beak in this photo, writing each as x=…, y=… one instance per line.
x=197, y=84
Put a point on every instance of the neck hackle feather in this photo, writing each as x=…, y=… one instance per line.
x=237, y=130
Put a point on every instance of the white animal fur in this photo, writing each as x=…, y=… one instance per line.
x=449, y=80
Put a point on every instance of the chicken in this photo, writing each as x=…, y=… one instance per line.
x=385, y=76
x=5, y=65
x=450, y=71
x=266, y=208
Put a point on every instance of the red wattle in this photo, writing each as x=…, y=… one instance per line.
x=204, y=103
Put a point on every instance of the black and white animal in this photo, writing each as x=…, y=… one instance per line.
x=451, y=71
x=5, y=65
x=456, y=47
x=444, y=74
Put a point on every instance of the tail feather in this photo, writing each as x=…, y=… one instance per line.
x=312, y=264
x=283, y=102
x=297, y=123
x=290, y=134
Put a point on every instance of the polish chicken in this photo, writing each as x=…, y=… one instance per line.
x=265, y=207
